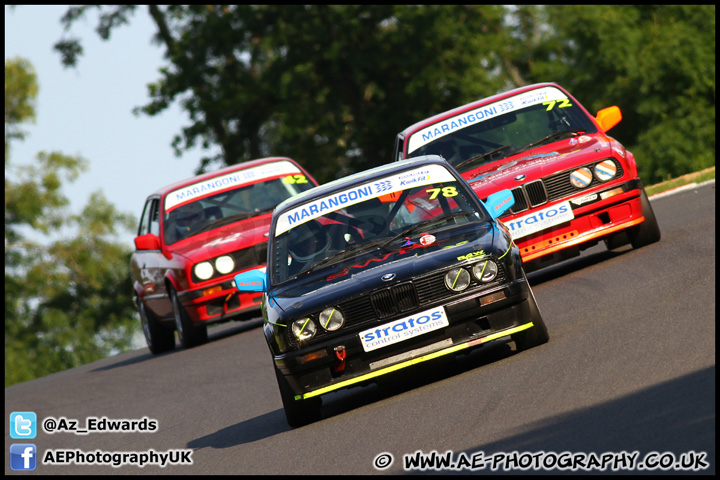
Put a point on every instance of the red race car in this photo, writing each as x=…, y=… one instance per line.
x=195, y=236
x=573, y=184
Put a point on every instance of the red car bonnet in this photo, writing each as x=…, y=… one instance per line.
x=564, y=154
x=225, y=239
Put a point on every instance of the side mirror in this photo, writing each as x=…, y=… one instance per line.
x=251, y=281
x=148, y=241
x=608, y=117
x=499, y=203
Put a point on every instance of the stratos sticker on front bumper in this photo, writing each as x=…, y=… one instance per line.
x=540, y=220
x=403, y=329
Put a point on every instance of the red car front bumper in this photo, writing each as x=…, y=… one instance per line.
x=220, y=302
x=593, y=221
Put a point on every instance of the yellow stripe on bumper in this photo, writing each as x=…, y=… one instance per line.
x=414, y=361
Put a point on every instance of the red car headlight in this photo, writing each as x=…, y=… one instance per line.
x=225, y=264
x=203, y=270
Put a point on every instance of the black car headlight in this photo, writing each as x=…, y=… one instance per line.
x=457, y=279
x=331, y=319
x=304, y=329
x=485, y=271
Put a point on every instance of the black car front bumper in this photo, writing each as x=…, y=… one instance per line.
x=341, y=361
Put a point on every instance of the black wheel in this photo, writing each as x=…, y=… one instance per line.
x=159, y=338
x=189, y=335
x=617, y=240
x=535, y=335
x=648, y=231
x=297, y=412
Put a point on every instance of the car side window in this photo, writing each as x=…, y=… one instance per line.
x=145, y=219
x=150, y=221
x=155, y=217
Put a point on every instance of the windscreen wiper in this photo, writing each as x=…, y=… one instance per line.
x=405, y=232
x=481, y=156
x=423, y=224
x=552, y=136
x=226, y=220
x=327, y=260
x=379, y=244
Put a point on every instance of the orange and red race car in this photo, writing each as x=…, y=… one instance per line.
x=573, y=184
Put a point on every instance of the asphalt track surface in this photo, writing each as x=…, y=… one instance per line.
x=629, y=369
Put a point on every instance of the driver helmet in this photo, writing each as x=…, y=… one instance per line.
x=189, y=218
x=308, y=241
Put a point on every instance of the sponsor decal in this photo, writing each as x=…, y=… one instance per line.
x=457, y=244
x=538, y=155
x=540, y=220
x=500, y=205
x=228, y=181
x=427, y=239
x=379, y=188
x=480, y=114
x=579, y=140
x=404, y=329
x=585, y=199
x=471, y=255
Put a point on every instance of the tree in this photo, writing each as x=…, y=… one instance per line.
x=329, y=85
x=20, y=93
x=657, y=62
x=67, y=297
x=353, y=76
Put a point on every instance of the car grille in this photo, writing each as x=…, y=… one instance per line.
x=396, y=299
x=549, y=189
x=404, y=297
x=250, y=257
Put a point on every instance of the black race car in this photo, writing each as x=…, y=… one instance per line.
x=382, y=270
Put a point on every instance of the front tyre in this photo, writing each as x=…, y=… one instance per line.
x=159, y=338
x=297, y=412
x=535, y=335
x=189, y=335
x=648, y=231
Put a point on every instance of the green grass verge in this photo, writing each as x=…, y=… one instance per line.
x=697, y=177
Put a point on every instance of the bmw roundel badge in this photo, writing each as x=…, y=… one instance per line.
x=387, y=277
